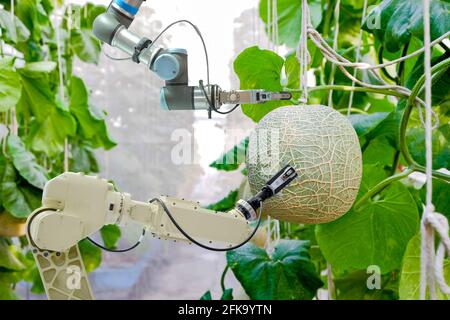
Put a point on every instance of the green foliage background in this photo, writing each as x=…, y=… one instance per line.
x=29, y=84
x=382, y=228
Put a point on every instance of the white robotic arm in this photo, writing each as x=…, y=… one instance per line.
x=75, y=206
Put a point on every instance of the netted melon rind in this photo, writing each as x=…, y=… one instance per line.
x=324, y=149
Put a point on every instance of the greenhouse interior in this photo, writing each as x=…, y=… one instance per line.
x=219, y=150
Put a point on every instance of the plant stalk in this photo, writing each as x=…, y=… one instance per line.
x=222, y=277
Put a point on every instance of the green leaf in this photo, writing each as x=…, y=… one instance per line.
x=288, y=274
x=379, y=151
x=440, y=148
x=37, y=98
x=226, y=203
x=353, y=286
x=372, y=175
x=259, y=69
x=440, y=196
x=31, y=274
x=206, y=296
x=227, y=294
x=85, y=45
x=388, y=128
x=91, y=121
x=48, y=135
x=34, y=17
x=110, y=234
x=398, y=20
x=8, y=259
x=82, y=158
x=34, y=69
x=377, y=234
x=289, y=17
x=91, y=255
x=409, y=288
x=25, y=163
x=20, y=199
x=292, y=70
x=85, y=15
x=6, y=286
x=363, y=123
x=10, y=85
x=232, y=159
x=14, y=30
x=440, y=85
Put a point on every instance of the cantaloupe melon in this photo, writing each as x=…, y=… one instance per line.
x=324, y=149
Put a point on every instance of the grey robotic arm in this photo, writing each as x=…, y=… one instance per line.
x=171, y=65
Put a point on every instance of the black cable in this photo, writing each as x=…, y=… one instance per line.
x=211, y=106
x=166, y=210
x=119, y=250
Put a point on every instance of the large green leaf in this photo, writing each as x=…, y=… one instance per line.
x=7, y=281
x=14, y=30
x=92, y=125
x=34, y=69
x=440, y=85
x=31, y=274
x=409, y=288
x=377, y=234
x=82, y=158
x=287, y=274
x=388, y=128
x=289, y=18
x=32, y=13
x=85, y=45
x=48, y=135
x=83, y=42
x=440, y=147
x=401, y=19
x=259, y=69
x=233, y=158
x=110, y=235
x=226, y=203
x=10, y=85
x=353, y=286
x=206, y=296
x=20, y=199
x=226, y=295
x=363, y=123
x=25, y=163
x=372, y=175
x=37, y=98
x=379, y=151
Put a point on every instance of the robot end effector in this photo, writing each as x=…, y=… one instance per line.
x=171, y=65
